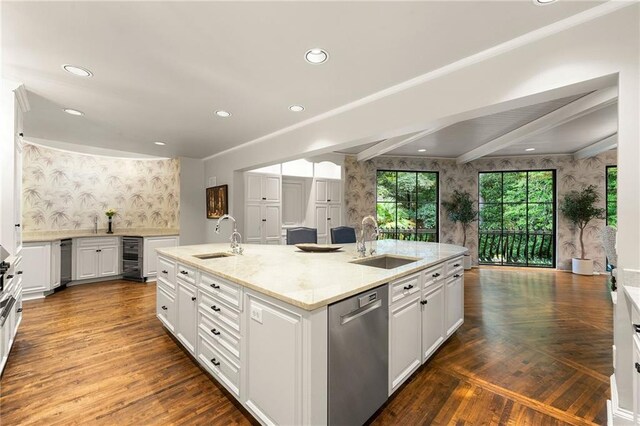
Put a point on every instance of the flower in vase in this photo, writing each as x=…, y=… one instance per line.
x=110, y=213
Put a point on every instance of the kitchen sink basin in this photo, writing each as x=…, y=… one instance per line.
x=386, y=261
x=205, y=256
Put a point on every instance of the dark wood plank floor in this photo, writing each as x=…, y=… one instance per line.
x=535, y=349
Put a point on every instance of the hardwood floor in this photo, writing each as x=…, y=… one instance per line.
x=535, y=349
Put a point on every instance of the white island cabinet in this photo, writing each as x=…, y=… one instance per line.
x=262, y=333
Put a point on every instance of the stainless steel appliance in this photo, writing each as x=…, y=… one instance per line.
x=358, y=356
x=132, y=254
x=65, y=261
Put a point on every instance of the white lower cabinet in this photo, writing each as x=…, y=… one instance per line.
x=263, y=223
x=166, y=306
x=636, y=379
x=96, y=257
x=433, y=308
x=455, y=302
x=150, y=256
x=55, y=264
x=36, y=266
x=405, y=353
x=187, y=311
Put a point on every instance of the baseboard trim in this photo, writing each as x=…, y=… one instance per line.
x=619, y=416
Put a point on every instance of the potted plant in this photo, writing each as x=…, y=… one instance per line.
x=460, y=209
x=580, y=208
x=110, y=213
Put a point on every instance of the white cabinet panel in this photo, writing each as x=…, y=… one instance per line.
x=253, y=228
x=272, y=228
x=263, y=224
x=186, y=315
x=254, y=188
x=454, y=297
x=636, y=379
x=335, y=215
x=322, y=221
x=404, y=333
x=293, y=203
x=321, y=190
x=260, y=187
x=432, y=321
x=36, y=267
x=271, y=189
x=334, y=191
x=150, y=261
x=55, y=264
x=109, y=260
x=87, y=263
x=165, y=306
x=96, y=257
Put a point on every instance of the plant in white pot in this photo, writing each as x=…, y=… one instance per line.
x=580, y=208
x=460, y=209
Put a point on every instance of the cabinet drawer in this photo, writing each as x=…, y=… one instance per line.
x=220, y=336
x=97, y=241
x=167, y=269
x=455, y=266
x=433, y=275
x=165, y=308
x=219, y=311
x=219, y=365
x=221, y=289
x=167, y=286
x=404, y=287
x=186, y=273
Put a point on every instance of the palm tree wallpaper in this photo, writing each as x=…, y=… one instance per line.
x=360, y=190
x=65, y=190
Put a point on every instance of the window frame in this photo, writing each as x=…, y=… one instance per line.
x=606, y=193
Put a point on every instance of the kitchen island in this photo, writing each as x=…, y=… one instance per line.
x=258, y=322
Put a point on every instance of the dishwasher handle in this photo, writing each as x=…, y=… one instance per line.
x=360, y=312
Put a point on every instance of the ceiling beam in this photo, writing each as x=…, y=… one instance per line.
x=395, y=142
x=601, y=146
x=578, y=108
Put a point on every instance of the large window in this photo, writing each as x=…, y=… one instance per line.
x=517, y=218
x=612, y=196
x=407, y=205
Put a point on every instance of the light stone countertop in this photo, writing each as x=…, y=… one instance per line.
x=310, y=280
x=44, y=236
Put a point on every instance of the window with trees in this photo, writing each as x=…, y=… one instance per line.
x=517, y=218
x=612, y=196
x=407, y=205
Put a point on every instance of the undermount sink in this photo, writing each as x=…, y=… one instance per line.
x=212, y=255
x=386, y=261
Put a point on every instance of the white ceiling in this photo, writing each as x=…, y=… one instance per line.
x=162, y=68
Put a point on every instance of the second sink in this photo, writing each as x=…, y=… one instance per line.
x=386, y=261
x=212, y=255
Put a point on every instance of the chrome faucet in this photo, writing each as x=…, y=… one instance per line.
x=95, y=224
x=235, y=235
x=362, y=248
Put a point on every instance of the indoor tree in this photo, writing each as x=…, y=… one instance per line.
x=460, y=209
x=580, y=208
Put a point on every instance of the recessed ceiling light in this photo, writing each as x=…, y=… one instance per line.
x=79, y=71
x=296, y=108
x=422, y=150
x=543, y=2
x=530, y=149
x=316, y=56
x=73, y=111
x=223, y=114
x=160, y=143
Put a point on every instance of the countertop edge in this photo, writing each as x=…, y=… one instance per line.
x=141, y=234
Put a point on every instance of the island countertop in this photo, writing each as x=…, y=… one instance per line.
x=310, y=280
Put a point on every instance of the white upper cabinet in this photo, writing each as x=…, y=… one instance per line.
x=321, y=186
x=260, y=187
x=334, y=191
x=271, y=189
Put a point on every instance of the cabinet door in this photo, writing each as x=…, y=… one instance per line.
x=187, y=311
x=335, y=215
x=636, y=379
x=36, y=267
x=87, y=263
x=432, y=321
x=17, y=197
x=454, y=297
x=322, y=223
x=405, y=349
x=109, y=261
x=253, y=187
x=321, y=190
x=334, y=191
x=271, y=189
x=272, y=226
x=150, y=263
x=253, y=224
x=55, y=264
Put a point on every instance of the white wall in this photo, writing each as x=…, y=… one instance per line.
x=192, y=201
x=598, y=49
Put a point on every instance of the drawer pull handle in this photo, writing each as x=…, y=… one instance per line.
x=215, y=332
x=636, y=327
x=456, y=276
x=215, y=308
x=193, y=299
x=184, y=272
x=424, y=302
x=216, y=286
x=214, y=362
x=164, y=308
x=165, y=272
x=638, y=367
x=436, y=275
x=455, y=265
x=19, y=273
x=19, y=310
x=408, y=287
x=264, y=198
x=9, y=277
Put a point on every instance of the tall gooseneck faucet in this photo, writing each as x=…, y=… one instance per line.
x=362, y=248
x=235, y=235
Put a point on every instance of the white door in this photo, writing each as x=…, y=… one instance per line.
x=55, y=264
x=455, y=302
x=109, y=261
x=17, y=195
x=187, y=311
x=253, y=226
x=272, y=227
x=335, y=215
x=254, y=187
x=87, y=263
x=321, y=190
x=322, y=223
x=36, y=267
x=271, y=189
x=432, y=321
x=405, y=351
x=151, y=255
x=293, y=203
x=334, y=192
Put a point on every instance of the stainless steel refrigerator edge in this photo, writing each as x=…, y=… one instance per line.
x=358, y=356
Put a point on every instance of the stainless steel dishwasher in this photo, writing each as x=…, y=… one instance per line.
x=358, y=356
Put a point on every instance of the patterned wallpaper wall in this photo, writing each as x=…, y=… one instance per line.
x=66, y=190
x=360, y=193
